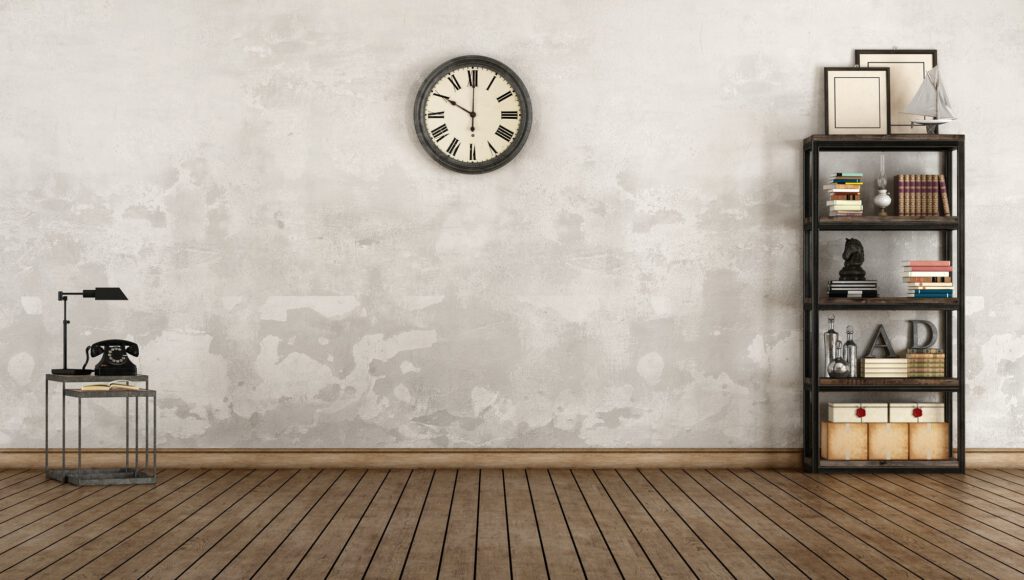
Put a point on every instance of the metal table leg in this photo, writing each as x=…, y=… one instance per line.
x=126, y=433
x=154, y=434
x=136, y=435
x=46, y=426
x=79, y=440
x=63, y=432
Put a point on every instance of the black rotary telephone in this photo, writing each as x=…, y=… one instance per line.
x=115, y=359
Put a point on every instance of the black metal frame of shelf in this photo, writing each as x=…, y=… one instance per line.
x=951, y=147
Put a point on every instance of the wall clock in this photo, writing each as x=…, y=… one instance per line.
x=472, y=114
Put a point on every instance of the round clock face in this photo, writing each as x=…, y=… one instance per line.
x=472, y=114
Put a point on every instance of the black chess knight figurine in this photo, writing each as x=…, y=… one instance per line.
x=853, y=257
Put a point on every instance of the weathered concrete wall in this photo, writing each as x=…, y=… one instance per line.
x=301, y=273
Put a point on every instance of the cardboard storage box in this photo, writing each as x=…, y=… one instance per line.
x=858, y=412
x=844, y=441
x=888, y=441
x=917, y=413
x=929, y=440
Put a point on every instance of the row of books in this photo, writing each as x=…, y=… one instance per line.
x=895, y=368
x=844, y=194
x=922, y=195
x=853, y=289
x=926, y=362
x=919, y=363
x=928, y=278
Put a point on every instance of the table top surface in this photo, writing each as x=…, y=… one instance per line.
x=95, y=378
x=80, y=394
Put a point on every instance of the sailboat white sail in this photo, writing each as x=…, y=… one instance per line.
x=932, y=101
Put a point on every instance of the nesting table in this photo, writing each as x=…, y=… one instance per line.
x=140, y=469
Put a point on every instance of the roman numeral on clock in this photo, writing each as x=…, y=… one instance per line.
x=504, y=133
x=510, y=114
x=472, y=76
x=493, y=150
x=439, y=133
x=454, y=81
x=437, y=115
x=453, y=147
x=491, y=83
x=472, y=152
x=505, y=96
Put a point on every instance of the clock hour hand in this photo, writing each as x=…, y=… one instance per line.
x=471, y=113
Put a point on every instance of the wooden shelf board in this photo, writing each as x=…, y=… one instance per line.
x=885, y=303
x=938, y=465
x=911, y=142
x=887, y=384
x=893, y=223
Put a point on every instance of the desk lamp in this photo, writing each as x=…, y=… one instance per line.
x=97, y=294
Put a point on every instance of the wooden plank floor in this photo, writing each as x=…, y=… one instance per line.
x=516, y=523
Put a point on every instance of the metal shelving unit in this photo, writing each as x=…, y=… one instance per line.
x=952, y=388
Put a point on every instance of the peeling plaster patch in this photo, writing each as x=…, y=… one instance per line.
x=32, y=304
x=974, y=304
x=661, y=305
x=156, y=217
x=21, y=367
x=229, y=302
x=645, y=222
x=757, y=350
x=373, y=348
x=199, y=378
x=402, y=393
x=295, y=376
x=414, y=303
x=613, y=419
x=277, y=307
x=578, y=308
x=407, y=367
x=482, y=399
x=650, y=366
x=467, y=231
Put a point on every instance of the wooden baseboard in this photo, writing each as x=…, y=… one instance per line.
x=427, y=458
x=470, y=458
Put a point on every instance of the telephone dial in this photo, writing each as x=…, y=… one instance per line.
x=115, y=359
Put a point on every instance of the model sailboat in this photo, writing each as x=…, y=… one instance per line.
x=932, y=101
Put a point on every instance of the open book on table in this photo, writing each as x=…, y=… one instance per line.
x=121, y=385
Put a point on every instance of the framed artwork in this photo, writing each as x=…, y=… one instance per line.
x=906, y=72
x=856, y=101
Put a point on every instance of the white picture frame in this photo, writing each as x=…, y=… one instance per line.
x=856, y=101
x=906, y=72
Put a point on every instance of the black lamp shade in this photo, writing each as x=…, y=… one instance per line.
x=105, y=294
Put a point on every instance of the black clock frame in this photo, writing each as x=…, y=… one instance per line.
x=419, y=122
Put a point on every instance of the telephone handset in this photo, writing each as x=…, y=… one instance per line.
x=115, y=359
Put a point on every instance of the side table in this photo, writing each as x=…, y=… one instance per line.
x=142, y=471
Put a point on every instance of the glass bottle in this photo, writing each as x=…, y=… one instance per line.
x=838, y=368
x=831, y=342
x=850, y=351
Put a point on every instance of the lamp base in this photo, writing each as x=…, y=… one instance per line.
x=70, y=371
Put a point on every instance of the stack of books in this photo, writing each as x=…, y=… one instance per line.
x=844, y=194
x=926, y=362
x=893, y=368
x=922, y=195
x=928, y=278
x=853, y=289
